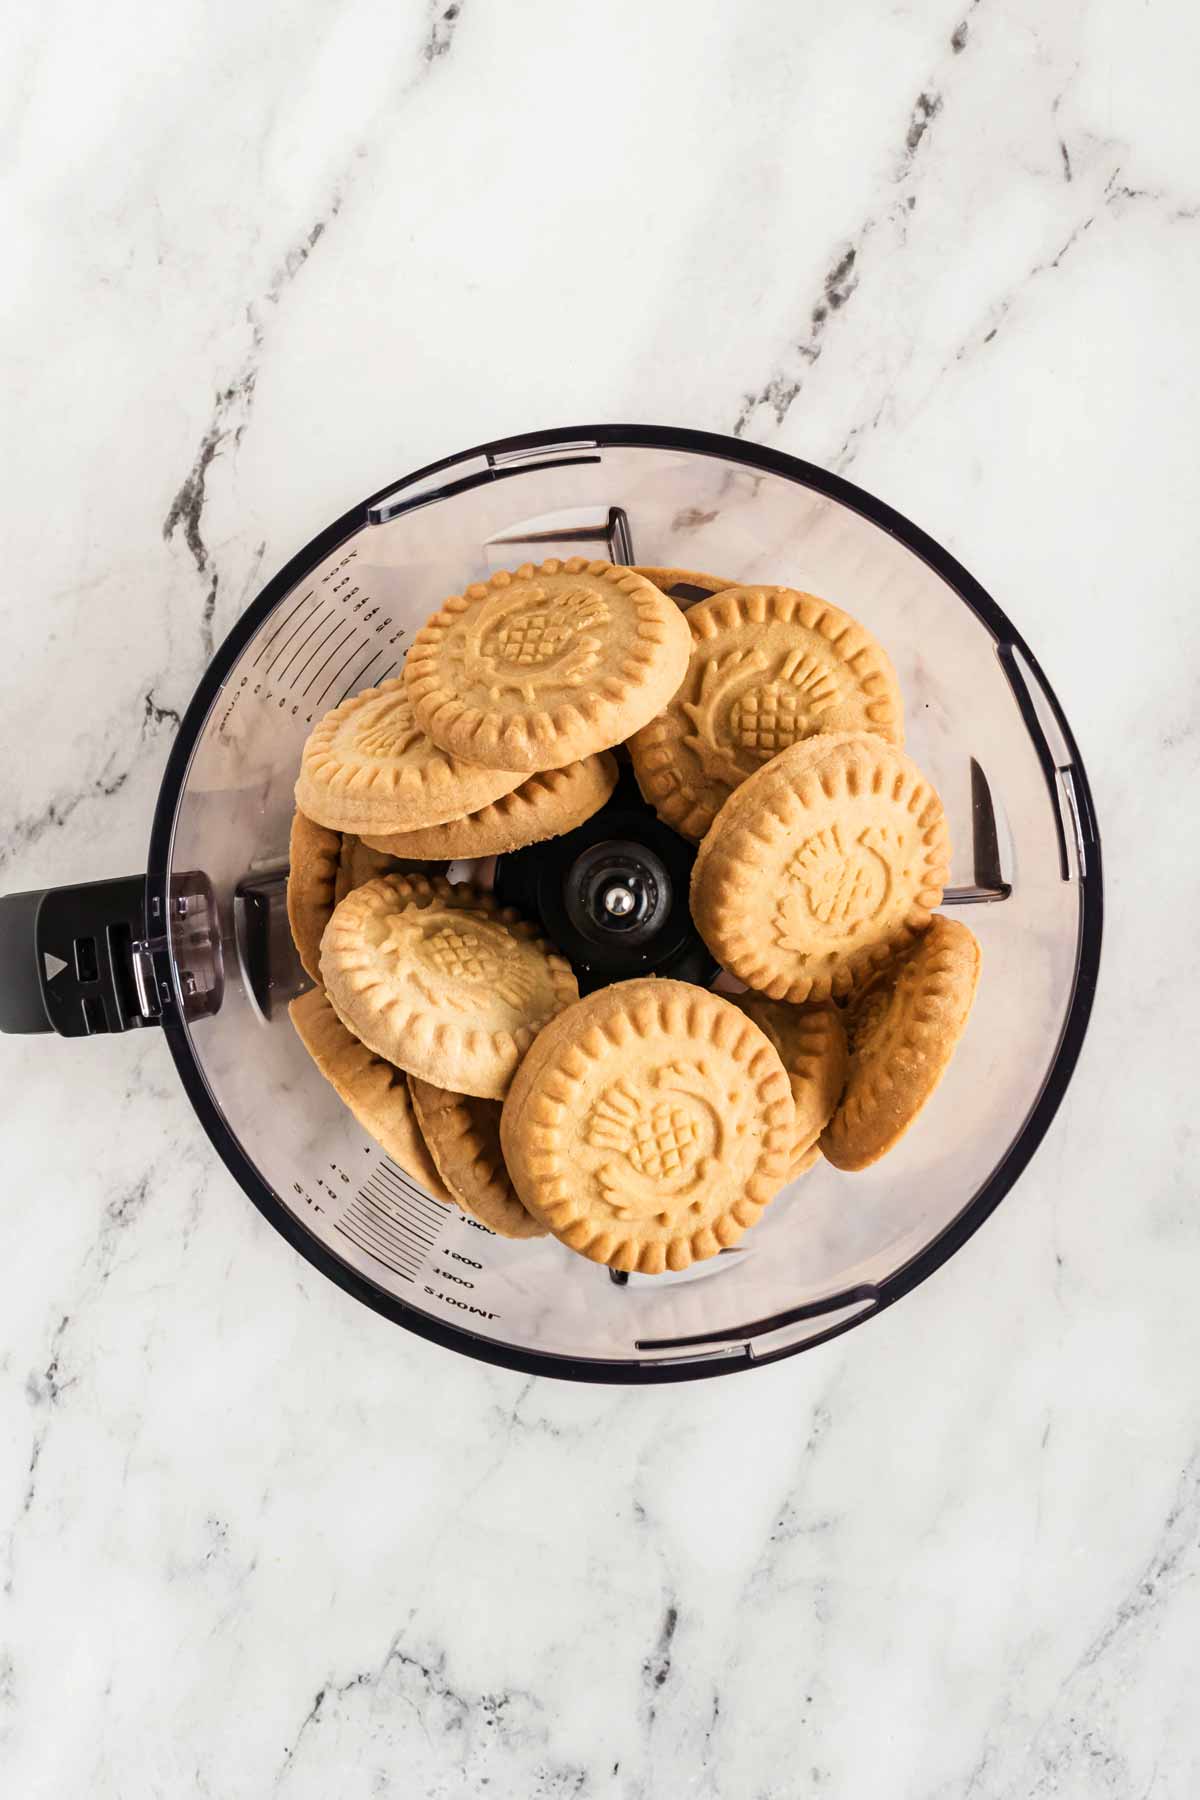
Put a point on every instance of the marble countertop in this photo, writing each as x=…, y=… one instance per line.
x=254, y=1540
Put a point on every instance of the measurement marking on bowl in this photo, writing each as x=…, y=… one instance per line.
x=283, y=648
x=358, y=674
x=432, y=1210
x=336, y=634
x=326, y=622
x=410, y=1231
x=321, y=666
x=274, y=637
x=342, y=667
x=394, y=1207
x=363, y=1225
x=314, y=623
x=391, y=1219
x=360, y=1239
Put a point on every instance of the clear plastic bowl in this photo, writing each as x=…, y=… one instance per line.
x=981, y=720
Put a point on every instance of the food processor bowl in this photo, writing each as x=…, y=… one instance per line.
x=201, y=946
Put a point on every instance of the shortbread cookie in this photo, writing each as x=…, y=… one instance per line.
x=359, y=863
x=649, y=1125
x=820, y=867
x=903, y=1028
x=544, y=806
x=313, y=856
x=667, y=579
x=376, y=1093
x=537, y=668
x=323, y=867
x=463, y=1135
x=769, y=666
x=441, y=980
x=811, y=1042
x=368, y=767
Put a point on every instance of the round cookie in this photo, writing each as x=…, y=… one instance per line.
x=811, y=1044
x=376, y=1093
x=649, y=1125
x=313, y=857
x=666, y=579
x=540, y=667
x=820, y=867
x=544, y=806
x=903, y=1028
x=441, y=980
x=463, y=1135
x=769, y=667
x=368, y=767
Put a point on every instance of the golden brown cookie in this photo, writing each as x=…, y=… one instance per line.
x=903, y=1028
x=811, y=1043
x=544, y=806
x=769, y=666
x=649, y=1125
x=323, y=867
x=820, y=867
x=463, y=1135
x=313, y=856
x=376, y=1093
x=441, y=980
x=667, y=579
x=540, y=667
x=368, y=767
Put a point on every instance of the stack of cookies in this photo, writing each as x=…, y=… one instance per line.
x=648, y=1125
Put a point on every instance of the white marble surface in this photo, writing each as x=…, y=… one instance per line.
x=261, y=261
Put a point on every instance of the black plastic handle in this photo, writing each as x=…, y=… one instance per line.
x=69, y=959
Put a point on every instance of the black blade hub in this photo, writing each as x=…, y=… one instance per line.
x=612, y=895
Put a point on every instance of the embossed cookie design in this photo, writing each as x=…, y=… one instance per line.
x=903, y=1028
x=769, y=667
x=544, y=806
x=820, y=867
x=441, y=981
x=463, y=1135
x=367, y=767
x=649, y=1125
x=811, y=1042
x=543, y=666
x=375, y=1091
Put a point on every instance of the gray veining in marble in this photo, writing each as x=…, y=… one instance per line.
x=253, y=1539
